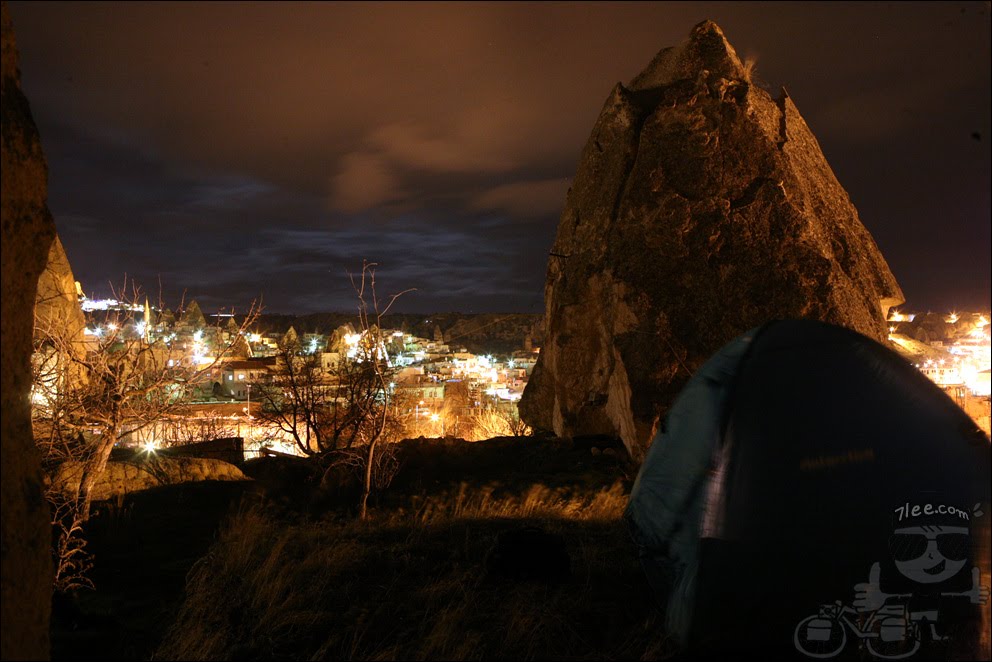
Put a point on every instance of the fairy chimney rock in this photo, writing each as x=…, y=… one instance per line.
x=57, y=307
x=701, y=207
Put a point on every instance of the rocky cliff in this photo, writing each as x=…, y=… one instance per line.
x=57, y=310
x=28, y=231
x=701, y=207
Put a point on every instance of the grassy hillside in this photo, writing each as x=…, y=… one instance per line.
x=292, y=575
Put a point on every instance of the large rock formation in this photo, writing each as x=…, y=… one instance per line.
x=701, y=207
x=59, y=331
x=57, y=305
x=28, y=231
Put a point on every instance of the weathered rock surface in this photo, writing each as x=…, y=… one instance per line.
x=57, y=303
x=122, y=478
x=28, y=231
x=701, y=207
x=59, y=322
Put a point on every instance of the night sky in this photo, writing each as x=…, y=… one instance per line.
x=245, y=151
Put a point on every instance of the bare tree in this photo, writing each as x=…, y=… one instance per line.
x=295, y=399
x=372, y=351
x=322, y=408
x=340, y=412
x=119, y=383
x=58, y=444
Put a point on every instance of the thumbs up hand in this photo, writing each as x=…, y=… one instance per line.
x=979, y=595
x=869, y=596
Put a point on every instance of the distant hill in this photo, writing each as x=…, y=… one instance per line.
x=481, y=333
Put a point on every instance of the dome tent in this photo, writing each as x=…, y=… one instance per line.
x=776, y=483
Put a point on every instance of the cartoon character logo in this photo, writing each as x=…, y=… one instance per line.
x=930, y=545
x=930, y=554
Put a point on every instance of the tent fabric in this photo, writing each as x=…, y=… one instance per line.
x=773, y=486
x=669, y=498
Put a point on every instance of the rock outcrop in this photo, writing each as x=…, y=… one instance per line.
x=701, y=207
x=57, y=302
x=59, y=331
x=123, y=478
x=28, y=231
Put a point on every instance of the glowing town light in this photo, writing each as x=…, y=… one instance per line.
x=111, y=326
x=982, y=322
x=139, y=328
x=313, y=346
x=435, y=418
x=351, y=341
x=896, y=316
x=255, y=337
x=38, y=398
x=198, y=335
x=150, y=446
x=952, y=318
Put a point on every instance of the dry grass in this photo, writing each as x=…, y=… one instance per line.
x=750, y=68
x=539, y=501
x=412, y=584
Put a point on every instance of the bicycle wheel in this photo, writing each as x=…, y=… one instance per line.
x=820, y=638
x=895, y=650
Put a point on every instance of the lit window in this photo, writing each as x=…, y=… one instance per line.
x=241, y=376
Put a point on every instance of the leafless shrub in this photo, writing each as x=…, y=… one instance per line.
x=496, y=421
x=385, y=463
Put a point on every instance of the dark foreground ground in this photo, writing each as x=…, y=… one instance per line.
x=278, y=568
x=503, y=549
x=144, y=548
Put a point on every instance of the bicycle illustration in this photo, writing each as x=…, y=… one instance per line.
x=930, y=548
x=888, y=633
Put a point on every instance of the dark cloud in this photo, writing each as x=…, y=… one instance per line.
x=527, y=199
x=233, y=150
